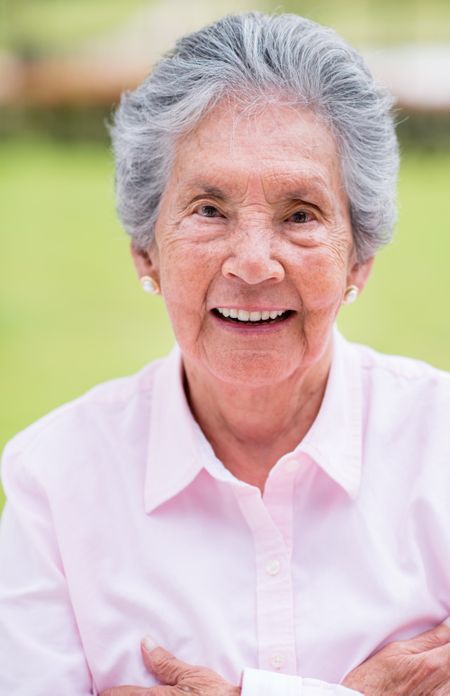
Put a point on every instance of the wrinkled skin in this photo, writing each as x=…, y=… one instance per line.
x=177, y=679
x=254, y=213
x=254, y=217
x=416, y=667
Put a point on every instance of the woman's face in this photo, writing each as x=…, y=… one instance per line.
x=254, y=220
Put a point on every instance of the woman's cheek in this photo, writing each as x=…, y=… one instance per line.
x=320, y=279
x=185, y=278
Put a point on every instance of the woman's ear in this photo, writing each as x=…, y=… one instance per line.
x=145, y=261
x=360, y=272
x=146, y=264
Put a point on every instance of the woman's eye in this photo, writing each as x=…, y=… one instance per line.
x=301, y=216
x=208, y=211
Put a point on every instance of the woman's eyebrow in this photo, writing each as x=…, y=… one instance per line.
x=299, y=186
x=310, y=188
x=206, y=190
x=306, y=194
x=300, y=193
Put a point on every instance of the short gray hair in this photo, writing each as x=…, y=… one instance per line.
x=252, y=56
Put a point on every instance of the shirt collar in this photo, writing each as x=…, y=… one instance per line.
x=334, y=440
x=178, y=450
x=173, y=460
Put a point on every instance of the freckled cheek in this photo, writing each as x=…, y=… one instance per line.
x=320, y=280
x=185, y=279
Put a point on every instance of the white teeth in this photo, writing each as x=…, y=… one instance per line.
x=243, y=315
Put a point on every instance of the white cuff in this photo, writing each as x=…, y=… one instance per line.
x=259, y=682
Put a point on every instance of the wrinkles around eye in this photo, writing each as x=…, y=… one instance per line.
x=301, y=217
x=208, y=211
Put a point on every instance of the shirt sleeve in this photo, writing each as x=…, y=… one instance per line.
x=259, y=682
x=40, y=646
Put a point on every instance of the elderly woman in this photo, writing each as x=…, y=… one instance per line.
x=269, y=501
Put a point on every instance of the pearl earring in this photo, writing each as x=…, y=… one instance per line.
x=149, y=285
x=351, y=294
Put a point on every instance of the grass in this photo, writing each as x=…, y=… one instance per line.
x=72, y=313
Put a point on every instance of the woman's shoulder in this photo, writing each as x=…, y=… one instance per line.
x=405, y=405
x=103, y=412
x=400, y=367
x=405, y=389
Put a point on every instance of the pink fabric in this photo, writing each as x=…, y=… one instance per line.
x=121, y=522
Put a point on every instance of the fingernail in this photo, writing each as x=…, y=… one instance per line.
x=149, y=644
x=447, y=621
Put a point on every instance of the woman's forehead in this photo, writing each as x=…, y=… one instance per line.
x=282, y=148
x=233, y=127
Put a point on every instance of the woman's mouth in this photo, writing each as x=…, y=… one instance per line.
x=251, y=318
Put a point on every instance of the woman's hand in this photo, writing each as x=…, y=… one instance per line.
x=416, y=667
x=177, y=678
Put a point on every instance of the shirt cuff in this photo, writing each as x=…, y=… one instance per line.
x=259, y=682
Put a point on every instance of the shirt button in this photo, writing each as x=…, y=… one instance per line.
x=292, y=465
x=273, y=567
x=277, y=660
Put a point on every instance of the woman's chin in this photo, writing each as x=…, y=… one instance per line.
x=252, y=369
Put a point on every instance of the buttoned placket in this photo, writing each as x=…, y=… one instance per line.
x=270, y=519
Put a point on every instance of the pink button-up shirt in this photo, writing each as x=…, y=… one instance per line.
x=121, y=522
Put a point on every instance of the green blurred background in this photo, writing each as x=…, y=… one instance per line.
x=71, y=310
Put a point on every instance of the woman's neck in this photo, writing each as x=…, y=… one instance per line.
x=250, y=428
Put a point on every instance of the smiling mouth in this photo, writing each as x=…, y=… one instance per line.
x=243, y=317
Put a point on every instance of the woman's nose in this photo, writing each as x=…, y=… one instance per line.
x=251, y=259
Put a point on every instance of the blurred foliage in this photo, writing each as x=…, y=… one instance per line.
x=378, y=22
x=71, y=123
x=34, y=27
x=422, y=131
x=430, y=131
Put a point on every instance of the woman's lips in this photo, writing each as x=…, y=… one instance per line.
x=251, y=320
x=252, y=315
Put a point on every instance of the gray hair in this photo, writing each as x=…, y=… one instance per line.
x=253, y=56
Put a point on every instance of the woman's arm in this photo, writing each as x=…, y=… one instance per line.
x=178, y=678
x=413, y=667
x=40, y=646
